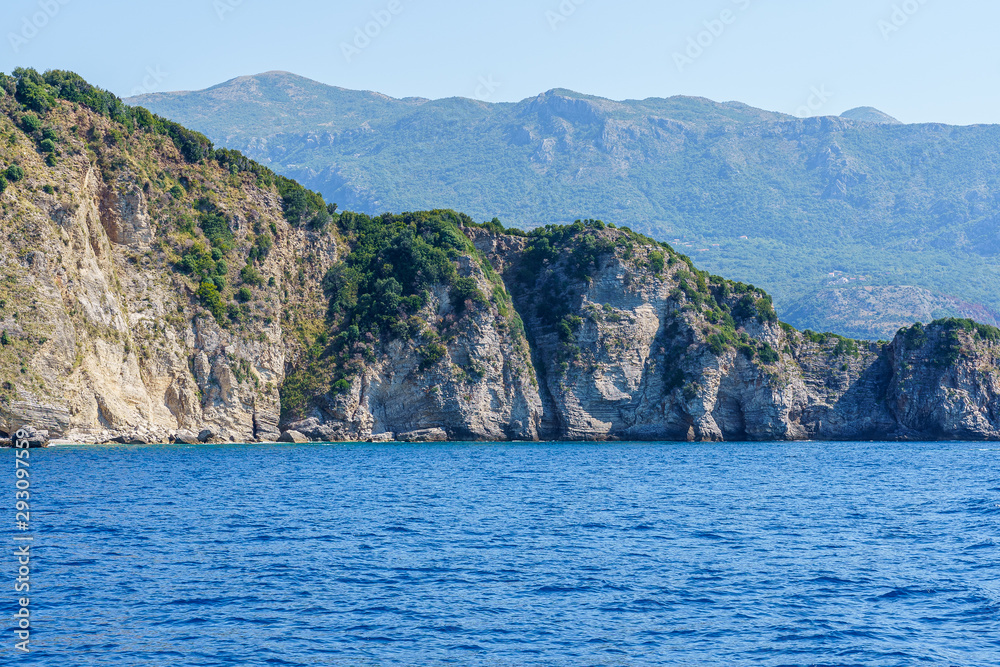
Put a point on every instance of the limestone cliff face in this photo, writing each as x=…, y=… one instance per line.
x=105, y=337
x=946, y=382
x=481, y=386
x=643, y=353
x=628, y=358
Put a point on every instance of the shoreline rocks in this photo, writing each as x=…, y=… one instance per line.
x=423, y=435
x=184, y=437
x=34, y=437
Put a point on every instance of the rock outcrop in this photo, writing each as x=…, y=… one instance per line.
x=466, y=374
x=293, y=437
x=632, y=351
x=25, y=436
x=102, y=257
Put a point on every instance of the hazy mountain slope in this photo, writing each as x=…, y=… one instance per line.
x=275, y=102
x=854, y=310
x=903, y=205
x=870, y=115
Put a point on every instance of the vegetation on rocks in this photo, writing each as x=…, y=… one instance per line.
x=379, y=293
x=40, y=93
x=948, y=338
x=149, y=278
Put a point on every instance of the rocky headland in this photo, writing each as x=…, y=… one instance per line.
x=155, y=289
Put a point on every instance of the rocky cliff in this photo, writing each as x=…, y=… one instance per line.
x=633, y=342
x=110, y=282
x=152, y=286
x=421, y=336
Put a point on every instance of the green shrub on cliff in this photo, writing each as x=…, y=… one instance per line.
x=846, y=346
x=32, y=91
x=717, y=343
x=214, y=224
x=496, y=227
x=261, y=247
x=768, y=354
x=466, y=290
x=197, y=260
x=251, y=276
x=915, y=337
x=30, y=123
x=818, y=338
x=765, y=309
x=760, y=308
x=394, y=261
x=302, y=206
x=430, y=354
x=208, y=294
x=656, y=261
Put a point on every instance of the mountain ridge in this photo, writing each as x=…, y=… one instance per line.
x=904, y=205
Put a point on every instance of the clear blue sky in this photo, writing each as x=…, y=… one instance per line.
x=933, y=61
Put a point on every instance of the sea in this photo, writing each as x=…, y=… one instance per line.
x=801, y=553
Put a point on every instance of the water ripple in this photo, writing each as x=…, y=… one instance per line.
x=509, y=554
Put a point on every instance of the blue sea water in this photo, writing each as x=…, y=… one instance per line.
x=512, y=554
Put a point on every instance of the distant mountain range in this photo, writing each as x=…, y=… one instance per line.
x=856, y=211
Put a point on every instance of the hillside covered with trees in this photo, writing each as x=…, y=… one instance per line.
x=799, y=206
